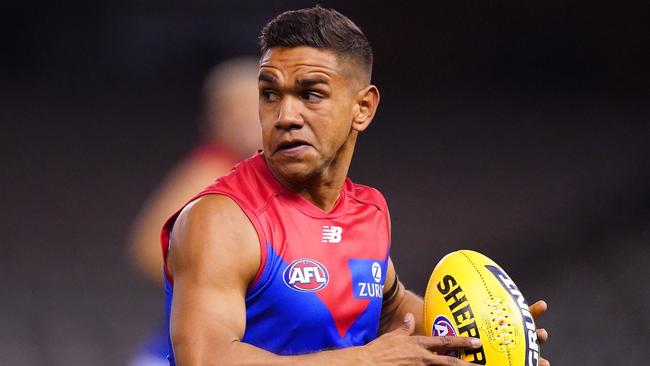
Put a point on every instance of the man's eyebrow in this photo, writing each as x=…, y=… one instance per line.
x=268, y=78
x=310, y=81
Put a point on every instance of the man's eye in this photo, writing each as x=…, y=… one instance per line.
x=269, y=95
x=311, y=96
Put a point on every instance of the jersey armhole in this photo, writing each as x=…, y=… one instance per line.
x=165, y=241
x=252, y=218
x=384, y=205
x=261, y=238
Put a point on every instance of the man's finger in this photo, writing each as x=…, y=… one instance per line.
x=448, y=342
x=538, y=308
x=542, y=335
x=544, y=362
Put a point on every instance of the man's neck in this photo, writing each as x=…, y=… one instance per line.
x=325, y=195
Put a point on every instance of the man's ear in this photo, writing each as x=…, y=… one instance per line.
x=366, y=103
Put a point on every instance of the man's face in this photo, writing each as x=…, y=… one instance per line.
x=306, y=110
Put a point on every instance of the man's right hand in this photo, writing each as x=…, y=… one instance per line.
x=400, y=347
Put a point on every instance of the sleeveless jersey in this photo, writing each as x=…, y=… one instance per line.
x=321, y=278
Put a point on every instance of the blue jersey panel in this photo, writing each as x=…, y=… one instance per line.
x=303, y=325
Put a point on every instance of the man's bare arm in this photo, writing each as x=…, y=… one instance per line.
x=214, y=254
x=398, y=303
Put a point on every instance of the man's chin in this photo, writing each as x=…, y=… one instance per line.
x=297, y=171
x=293, y=172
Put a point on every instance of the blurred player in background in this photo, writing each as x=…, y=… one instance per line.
x=230, y=131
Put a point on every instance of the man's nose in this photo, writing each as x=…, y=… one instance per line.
x=289, y=116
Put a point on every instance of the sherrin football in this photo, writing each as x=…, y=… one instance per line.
x=470, y=295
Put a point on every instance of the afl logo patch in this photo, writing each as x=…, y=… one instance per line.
x=306, y=275
x=442, y=327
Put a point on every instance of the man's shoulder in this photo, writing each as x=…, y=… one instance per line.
x=207, y=210
x=213, y=229
x=247, y=184
x=366, y=194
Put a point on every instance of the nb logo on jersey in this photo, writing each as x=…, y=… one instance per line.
x=305, y=275
x=332, y=234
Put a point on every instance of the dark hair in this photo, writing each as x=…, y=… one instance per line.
x=319, y=28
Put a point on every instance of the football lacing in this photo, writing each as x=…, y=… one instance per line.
x=503, y=332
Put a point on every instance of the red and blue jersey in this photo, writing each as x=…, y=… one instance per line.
x=321, y=278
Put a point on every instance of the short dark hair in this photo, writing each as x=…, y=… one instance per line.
x=318, y=27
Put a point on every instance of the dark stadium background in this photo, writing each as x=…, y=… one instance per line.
x=519, y=129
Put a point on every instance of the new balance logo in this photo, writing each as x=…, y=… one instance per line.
x=332, y=234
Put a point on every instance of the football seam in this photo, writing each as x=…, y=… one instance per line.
x=487, y=289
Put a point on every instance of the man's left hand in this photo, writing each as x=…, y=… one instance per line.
x=536, y=310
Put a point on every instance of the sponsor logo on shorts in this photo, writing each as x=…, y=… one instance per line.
x=305, y=275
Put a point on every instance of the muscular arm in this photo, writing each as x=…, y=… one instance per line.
x=399, y=303
x=214, y=254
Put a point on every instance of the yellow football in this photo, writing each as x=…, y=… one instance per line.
x=470, y=295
